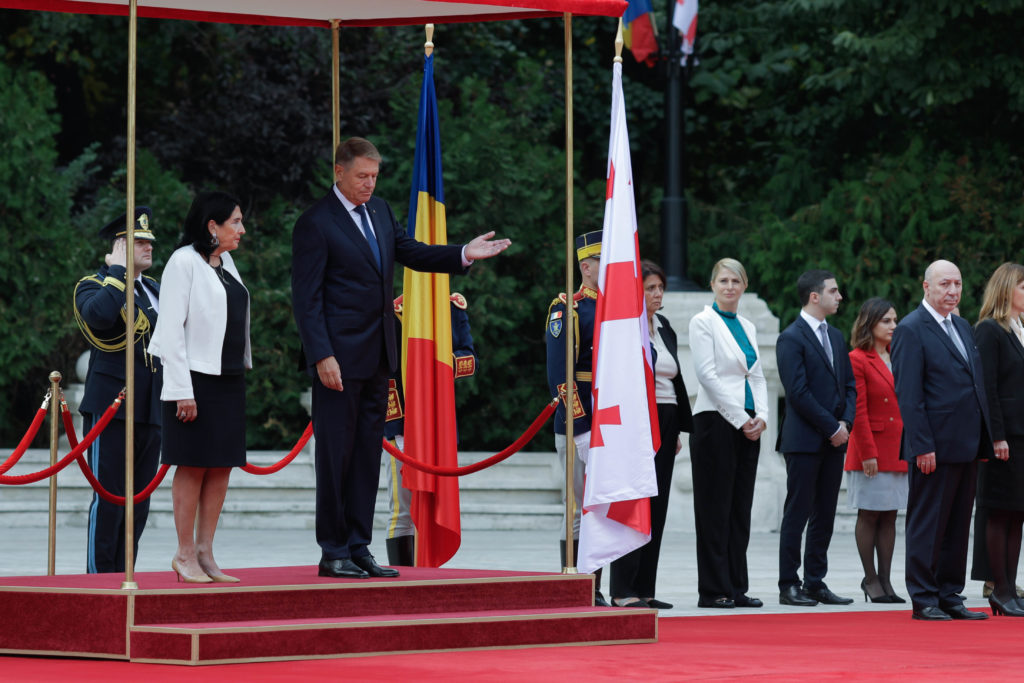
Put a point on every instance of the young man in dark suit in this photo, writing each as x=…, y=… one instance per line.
x=821, y=400
x=344, y=250
x=99, y=304
x=941, y=392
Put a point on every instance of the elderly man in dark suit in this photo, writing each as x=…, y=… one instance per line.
x=821, y=401
x=940, y=388
x=344, y=250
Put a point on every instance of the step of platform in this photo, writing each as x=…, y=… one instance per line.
x=288, y=639
x=291, y=613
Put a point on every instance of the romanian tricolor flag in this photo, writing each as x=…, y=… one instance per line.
x=638, y=31
x=430, y=433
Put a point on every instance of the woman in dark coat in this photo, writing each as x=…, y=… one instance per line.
x=635, y=574
x=1000, y=338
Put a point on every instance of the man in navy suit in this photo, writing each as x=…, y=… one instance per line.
x=941, y=394
x=821, y=400
x=344, y=249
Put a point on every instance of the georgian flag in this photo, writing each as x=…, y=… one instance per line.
x=620, y=475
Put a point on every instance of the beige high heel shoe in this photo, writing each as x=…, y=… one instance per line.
x=217, y=576
x=188, y=578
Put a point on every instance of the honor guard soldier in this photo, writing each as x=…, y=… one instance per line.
x=401, y=541
x=100, y=301
x=583, y=313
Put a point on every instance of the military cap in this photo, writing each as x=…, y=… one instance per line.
x=116, y=228
x=588, y=245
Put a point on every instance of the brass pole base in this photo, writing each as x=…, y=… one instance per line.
x=129, y=586
x=569, y=570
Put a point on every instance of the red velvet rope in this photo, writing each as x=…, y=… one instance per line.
x=33, y=429
x=524, y=439
x=69, y=429
x=270, y=469
x=76, y=451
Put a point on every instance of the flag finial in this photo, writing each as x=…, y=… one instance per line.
x=428, y=47
x=618, y=43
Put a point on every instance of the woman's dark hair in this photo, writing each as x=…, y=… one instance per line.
x=873, y=310
x=207, y=206
x=648, y=268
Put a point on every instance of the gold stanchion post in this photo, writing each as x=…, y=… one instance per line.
x=129, y=290
x=51, y=555
x=335, y=88
x=570, y=349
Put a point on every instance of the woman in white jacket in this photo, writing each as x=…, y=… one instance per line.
x=202, y=337
x=729, y=416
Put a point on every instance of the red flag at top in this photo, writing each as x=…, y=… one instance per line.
x=620, y=475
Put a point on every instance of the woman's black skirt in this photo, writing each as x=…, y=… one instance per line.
x=216, y=438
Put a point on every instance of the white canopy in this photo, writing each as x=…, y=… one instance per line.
x=320, y=12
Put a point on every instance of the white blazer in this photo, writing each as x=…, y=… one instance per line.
x=721, y=368
x=189, y=332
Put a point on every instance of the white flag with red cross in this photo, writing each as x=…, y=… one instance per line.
x=620, y=475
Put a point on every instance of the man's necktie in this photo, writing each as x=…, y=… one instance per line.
x=823, y=330
x=948, y=324
x=368, y=233
x=141, y=298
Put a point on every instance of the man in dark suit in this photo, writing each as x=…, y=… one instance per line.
x=344, y=249
x=99, y=305
x=940, y=389
x=821, y=400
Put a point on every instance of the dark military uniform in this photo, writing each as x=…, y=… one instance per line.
x=401, y=533
x=100, y=311
x=582, y=317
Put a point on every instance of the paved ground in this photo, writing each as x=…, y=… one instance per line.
x=24, y=551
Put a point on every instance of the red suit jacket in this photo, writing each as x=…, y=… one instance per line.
x=878, y=427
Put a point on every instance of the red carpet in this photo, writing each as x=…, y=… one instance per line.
x=852, y=646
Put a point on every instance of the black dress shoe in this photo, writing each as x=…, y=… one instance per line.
x=341, y=569
x=599, y=600
x=721, y=602
x=930, y=613
x=370, y=566
x=747, y=601
x=827, y=597
x=961, y=612
x=658, y=604
x=795, y=595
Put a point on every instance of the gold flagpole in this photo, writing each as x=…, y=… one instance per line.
x=570, y=355
x=129, y=290
x=51, y=555
x=335, y=88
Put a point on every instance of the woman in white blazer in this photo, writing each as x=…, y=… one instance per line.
x=202, y=337
x=729, y=416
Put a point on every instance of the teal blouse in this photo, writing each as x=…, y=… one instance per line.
x=738, y=333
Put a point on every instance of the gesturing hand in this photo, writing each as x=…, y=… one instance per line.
x=117, y=255
x=483, y=246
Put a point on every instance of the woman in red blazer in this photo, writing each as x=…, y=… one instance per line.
x=877, y=479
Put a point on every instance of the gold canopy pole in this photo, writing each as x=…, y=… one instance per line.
x=335, y=88
x=570, y=350
x=129, y=321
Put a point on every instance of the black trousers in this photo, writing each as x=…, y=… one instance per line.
x=812, y=489
x=348, y=426
x=105, y=550
x=635, y=574
x=938, y=529
x=724, y=465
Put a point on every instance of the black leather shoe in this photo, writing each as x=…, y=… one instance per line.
x=599, y=600
x=827, y=597
x=747, y=601
x=721, y=602
x=795, y=595
x=930, y=613
x=341, y=569
x=370, y=566
x=658, y=604
x=961, y=612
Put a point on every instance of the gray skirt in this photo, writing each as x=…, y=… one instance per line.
x=884, y=491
